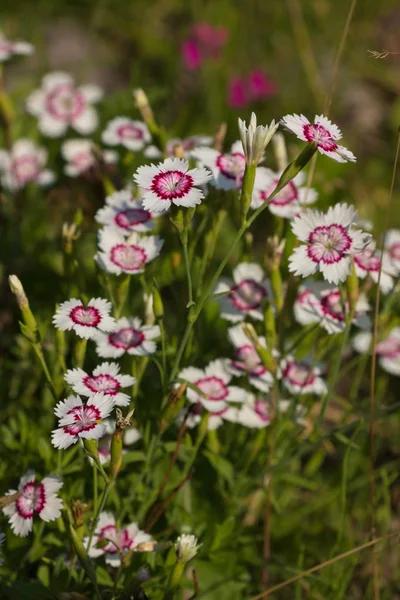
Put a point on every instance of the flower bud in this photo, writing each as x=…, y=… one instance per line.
x=279, y=145
x=143, y=105
x=186, y=547
x=122, y=423
x=255, y=138
x=30, y=326
x=158, y=306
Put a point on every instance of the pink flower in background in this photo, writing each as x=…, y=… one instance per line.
x=205, y=42
x=253, y=87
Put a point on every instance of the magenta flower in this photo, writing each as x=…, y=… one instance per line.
x=253, y=87
x=205, y=42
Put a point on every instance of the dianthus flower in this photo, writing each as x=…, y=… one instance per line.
x=9, y=48
x=246, y=361
x=130, y=337
x=227, y=169
x=86, y=321
x=388, y=349
x=106, y=379
x=80, y=157
x=368, y=263
x=126, y=255
x=125, y=214
x=123, y=131
x=301, y=377
x=24, y=164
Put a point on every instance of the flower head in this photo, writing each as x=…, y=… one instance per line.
x=126, y=255
x=227, y=169
x=246, y=361
x=330, y=241
x=387, y=349
x=125, y=214
x=323, y=132
x=244, y=295
x=24, y=164
x=301, y=377
x=9, y=49
x=171, y=182
x=392, y=247
x=86, y=321
x=78, y=420
x=290, y=201
x=40, y=498
x=105, y=379
x=130, y=337
x=122, y=131
x=59, y=104
x=205, y=42
x=186, y=547
x=255, y=138
x=213, y=381
x=80, y=156
x=119, y=541
x=369, y=263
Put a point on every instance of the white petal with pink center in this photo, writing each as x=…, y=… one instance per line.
x=171, y=182
x=126, y=255
x=120, y=541
x=330, y=242
x=80, y=156
x=320, y=302
x=123, y=131
x=323, y=132
x=388, y=349
x=244, y=295
x=213, y=382
x=105, y=379
x=130, y=336
x=36, y=497
x=301, y=377
x=9, y=48
x=368, y=263
x=227, y=169
x=246, y=361
x=125, y=213
x=24, y=164
x=59, y=104
x=290, y=201
x=86, y=321
x=392, y=247
x=78, y=420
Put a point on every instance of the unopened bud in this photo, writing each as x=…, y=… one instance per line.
x=220, y=137
x=143, y=105
x=353, y=291
x=146, y=547
x=18, y=291
x=29, y=325
x=70, y=233
x=186, y=547
x=122, y=423
x=158, y=306
x=264, y=353
x=255, y=138
x=279, y=144
x=178, y=150
x=78, y=509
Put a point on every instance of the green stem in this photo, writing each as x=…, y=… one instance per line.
x=39, y=353
x=95, y=494
x=97, y=513
x=184, y=240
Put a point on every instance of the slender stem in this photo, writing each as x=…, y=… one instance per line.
x=100, y=507
x=268, y=504
x=39, y=353
x=95, y=494
x=184, y=240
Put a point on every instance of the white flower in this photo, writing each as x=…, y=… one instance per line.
x=247, y=361
x=244, y=295
x=319, y=302
x=24, y=164
x=369, y=262
x=213, y=382
x=125, y=214
x=40, y=498
x=80, y=156
x=330, y=240
x=105, y=378
x=322, y=131
x=126, y=255
x=123, y=131
x=2, y=538
x=290, y=201
x=129, y=336
x=392, y=247
x=388, y=349
x=120, y=541
x=227, y=169
x=9, y=49
x=186, y=547
x=171, y=182
x=255, y=138
x=77, y=420
x=86, y=321
x=301, y=377
x=59, y=104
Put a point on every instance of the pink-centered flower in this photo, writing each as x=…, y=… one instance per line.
x=119, y=254
x=290, y=201
x=301, y=377
x=227, y=169
x=86, y=321
x=78, y=420
x=330, y=240
x=35, y=497
x=388, y=349
x=392, y=247
x=9, y=48
x=113, y=542
x=246, y=360
x=80, y=157
x=171, y=182
x=125, y=214
x=253, y=87
x=244, y=295
x=59, y=104
x=319, y=302
x=123, y=131
x=323, y=132
x=213, y=382
x=105, y=379
x=205, y=42
x=368, y=263
x=24, y=164
x=130, y=336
